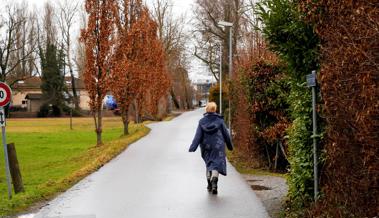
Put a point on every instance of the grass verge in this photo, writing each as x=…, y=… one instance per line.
x=53, y=158
x=172, y=116
x=244, y=167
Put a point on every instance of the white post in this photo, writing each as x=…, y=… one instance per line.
x=220, y=75
x=230, y=73
x=230, y=25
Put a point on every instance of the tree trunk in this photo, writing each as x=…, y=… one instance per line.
x=73, y=85
x=126, y=127
x=98, y=137
x=136, y=113
x=188, y=99
x=125, y=120
x=99, y=125
x=74, y=92
x=15, y=169
x=173, y=96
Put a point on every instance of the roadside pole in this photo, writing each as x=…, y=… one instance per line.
x=5, y=97
x=311, y=82
x=220, y=75
x=230, y=77
x=230, y=26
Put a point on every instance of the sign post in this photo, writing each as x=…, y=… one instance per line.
x=5, y=98
x=312, y=83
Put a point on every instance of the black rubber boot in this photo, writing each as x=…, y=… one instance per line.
x=209, y=187
x=214, y=185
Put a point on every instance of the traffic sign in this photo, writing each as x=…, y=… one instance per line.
x=7, y=170
x=5, y=99
x=5, y=94
x=2, y=117
x=311, y=80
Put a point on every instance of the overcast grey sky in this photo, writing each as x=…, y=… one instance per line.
x=180, y=7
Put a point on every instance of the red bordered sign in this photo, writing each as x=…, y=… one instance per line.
x=5, y=94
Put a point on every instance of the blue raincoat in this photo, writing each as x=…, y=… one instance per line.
x=211, y=135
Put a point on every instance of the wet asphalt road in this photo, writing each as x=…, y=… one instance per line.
x=157, y=177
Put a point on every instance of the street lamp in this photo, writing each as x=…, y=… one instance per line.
x=220, y=76
x=230, y=25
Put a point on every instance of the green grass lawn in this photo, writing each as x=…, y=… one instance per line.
x=52, y=157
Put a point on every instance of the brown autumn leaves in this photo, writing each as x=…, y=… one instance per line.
x=124, y=57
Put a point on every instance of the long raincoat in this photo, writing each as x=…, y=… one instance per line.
x=211, y=135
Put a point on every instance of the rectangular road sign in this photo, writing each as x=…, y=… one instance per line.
x=2, y=117
x=311, y=80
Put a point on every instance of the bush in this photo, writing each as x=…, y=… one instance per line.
x=349, y=85
x=261, y=119
x=48, y=110
x=298, y=46
x=44, y=110
x=75, y=113
x=214, y=95
x=56, y=111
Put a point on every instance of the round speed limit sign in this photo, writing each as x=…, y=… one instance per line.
x=5, y=94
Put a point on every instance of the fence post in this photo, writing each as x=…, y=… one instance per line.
x=15, y=169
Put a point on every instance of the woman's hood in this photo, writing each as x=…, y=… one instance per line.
x=211, y=122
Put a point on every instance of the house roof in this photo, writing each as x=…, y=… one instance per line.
x=33, y=96
x=35, y=83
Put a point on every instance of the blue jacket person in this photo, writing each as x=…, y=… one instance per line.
x=212, y=135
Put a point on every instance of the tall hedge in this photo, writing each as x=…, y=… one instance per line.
x=349, y=81
x=296, y=44
x=214, y=95
x=261, y=117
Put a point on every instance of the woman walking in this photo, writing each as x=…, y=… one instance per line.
x=211, y=135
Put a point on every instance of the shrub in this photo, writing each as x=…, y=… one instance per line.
x=261, y=117
x=296, y=44
x=214, y=95
x=44, y=110
x=349, y=86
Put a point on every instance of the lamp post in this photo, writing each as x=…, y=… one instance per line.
x=220, y=75
x=230, y=25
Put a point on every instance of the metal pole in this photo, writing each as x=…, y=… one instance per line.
x=7, y=171
x=230, y=72
x=220, y=75
x=315, y=171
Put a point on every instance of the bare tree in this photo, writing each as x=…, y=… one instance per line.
x=80, y=54
x=17, y=44
x=171, y=33
x=251, y=42
x=49, y=25
x=46, y=29
x=66, y=16
x=208, y=33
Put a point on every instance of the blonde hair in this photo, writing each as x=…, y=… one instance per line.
x=211, y=107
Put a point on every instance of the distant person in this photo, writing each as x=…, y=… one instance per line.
x=211, y=135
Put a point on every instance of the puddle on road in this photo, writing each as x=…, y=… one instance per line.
x=259, y=188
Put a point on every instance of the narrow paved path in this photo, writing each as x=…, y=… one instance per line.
x=157, y=177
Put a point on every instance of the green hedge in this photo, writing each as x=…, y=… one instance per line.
x=297, y=45
x=214, y=95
